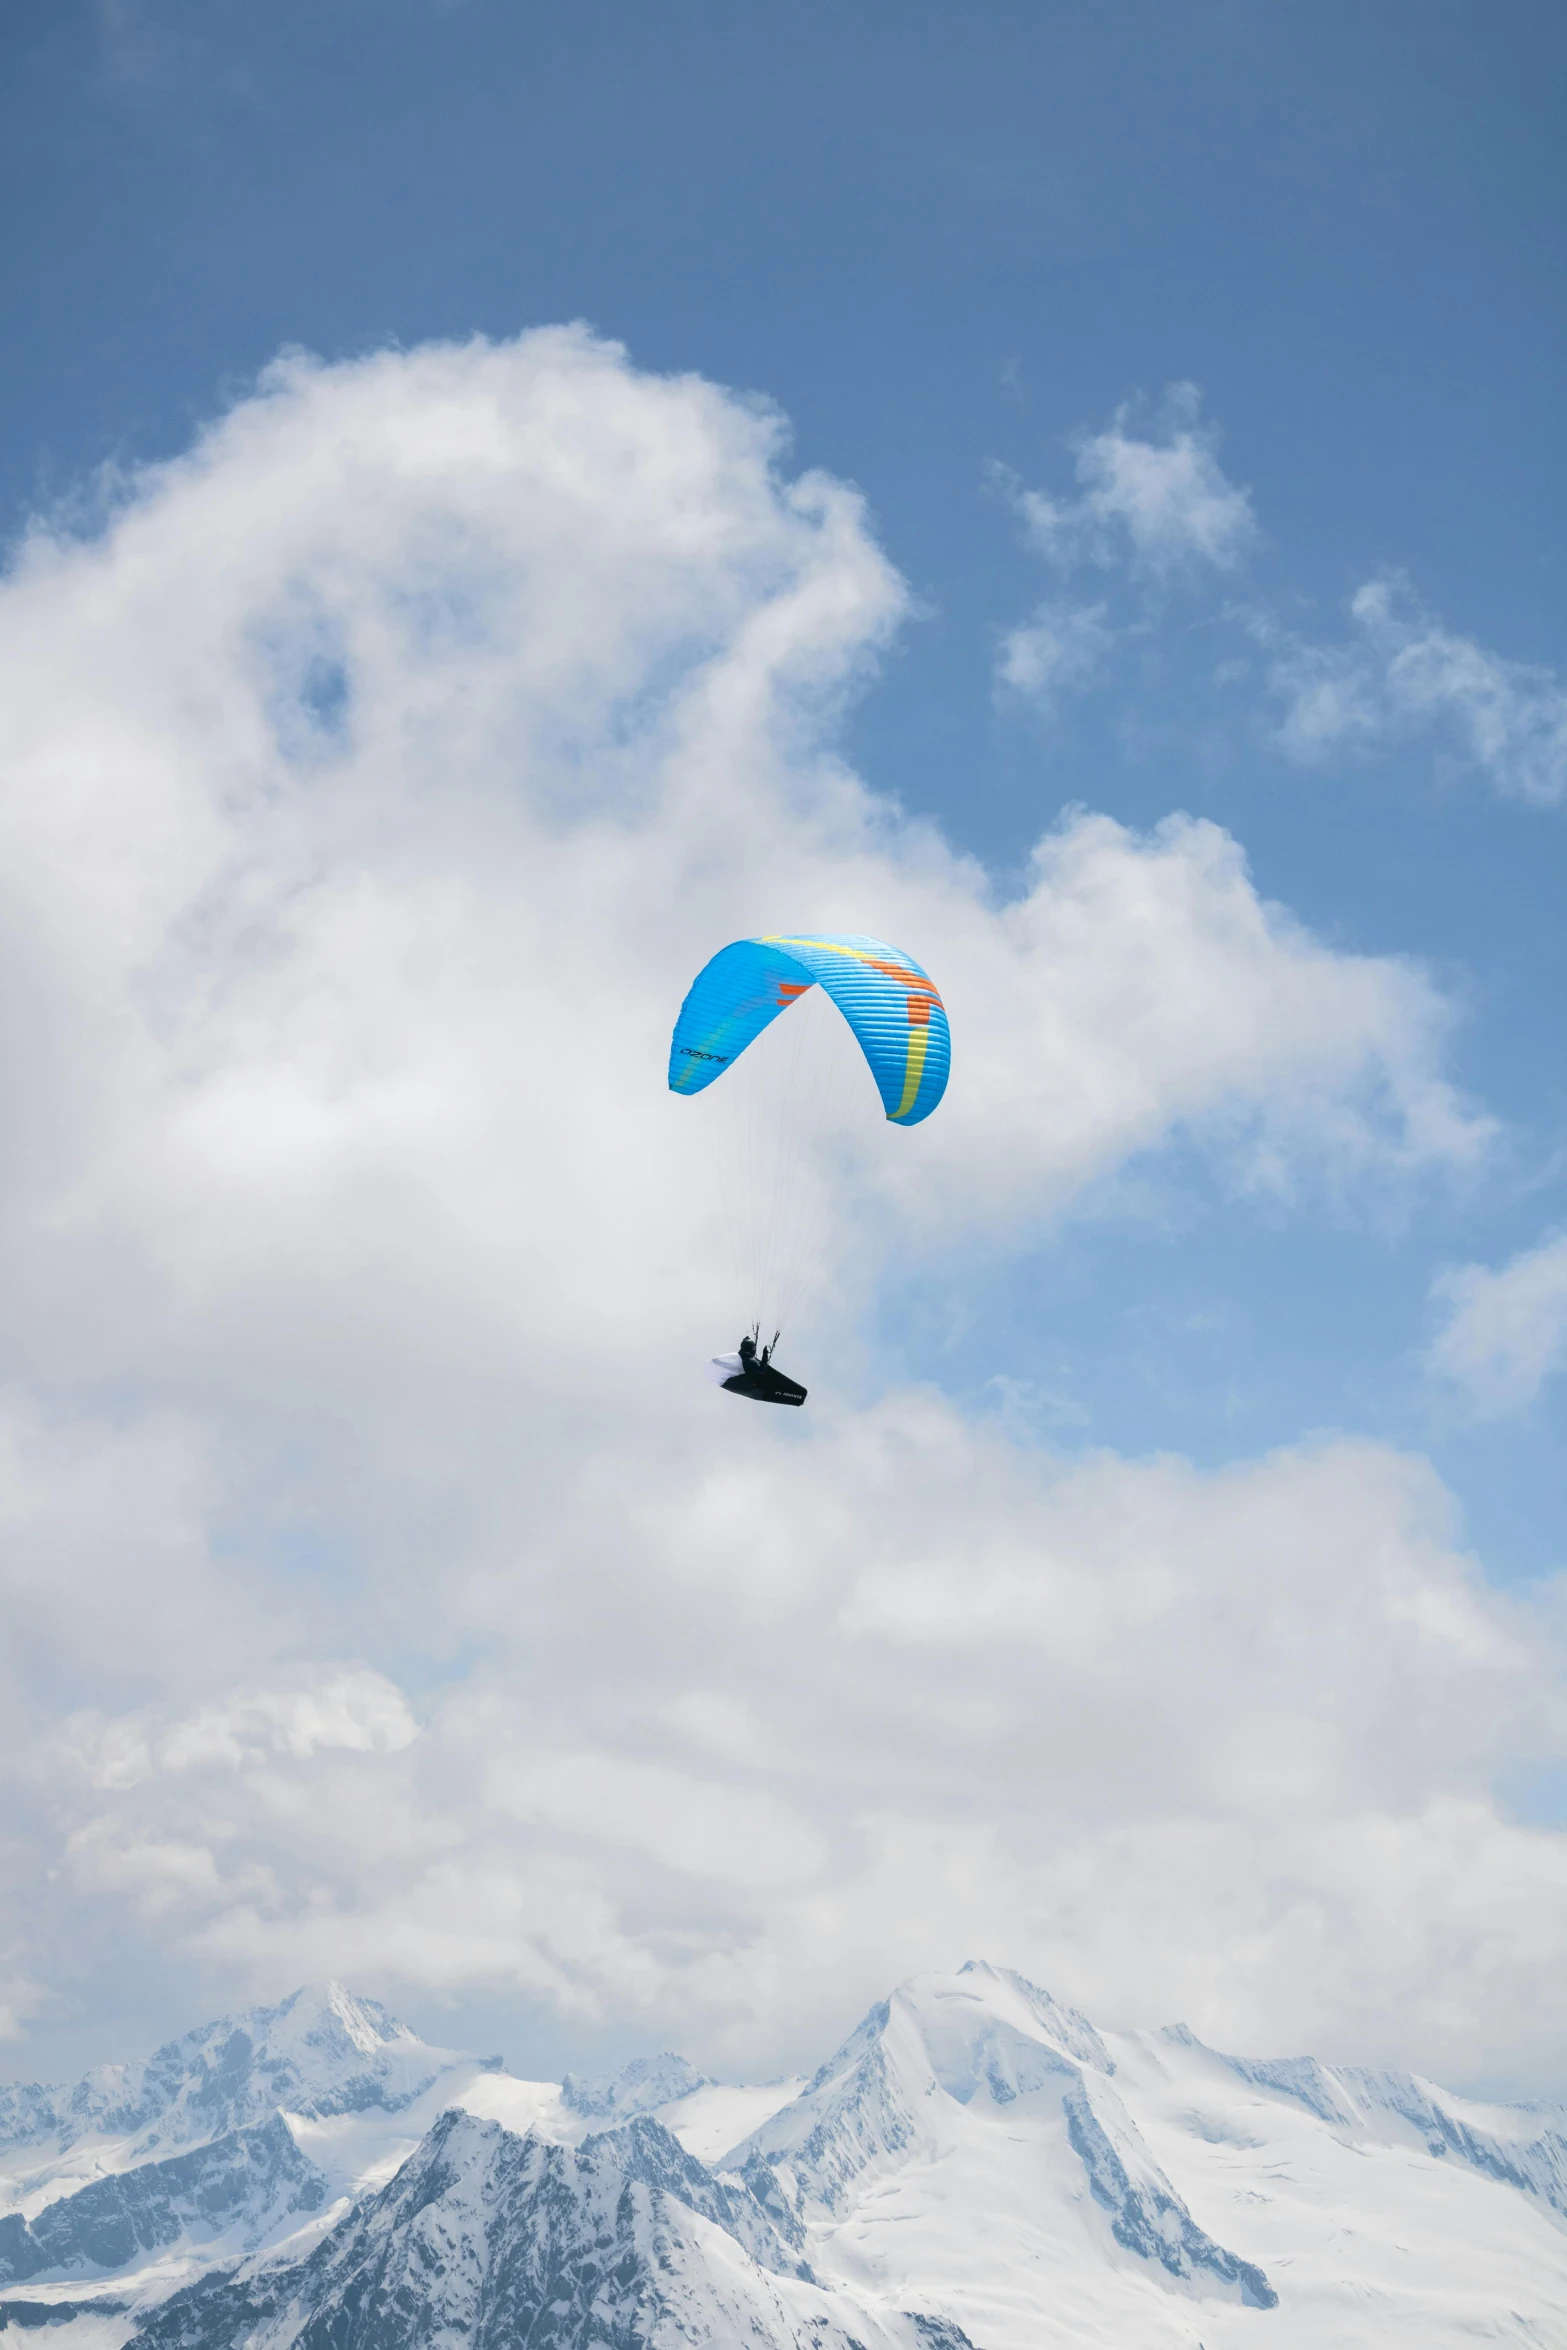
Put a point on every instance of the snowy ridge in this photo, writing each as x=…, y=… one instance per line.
x=1522, y=2146
x=1534, y=2159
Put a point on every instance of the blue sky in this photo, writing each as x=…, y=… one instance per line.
x=996, y=269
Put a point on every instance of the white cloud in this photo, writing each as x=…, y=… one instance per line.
x=1216, y=1745
x=373, y=786
x=1404, y=672
x=1506, y=1330
x=1146, y=987
x=1161, y=505
x=343, y=1707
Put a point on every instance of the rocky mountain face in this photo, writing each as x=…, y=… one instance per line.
x=237, y=2189
x=977, y=2167
x=495, y=2240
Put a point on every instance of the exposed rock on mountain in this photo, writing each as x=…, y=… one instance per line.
x=234, y=2191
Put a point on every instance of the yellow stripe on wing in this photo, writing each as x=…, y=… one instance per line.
x=913, y=1071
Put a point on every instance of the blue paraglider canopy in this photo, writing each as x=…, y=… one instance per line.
x=890, y=1004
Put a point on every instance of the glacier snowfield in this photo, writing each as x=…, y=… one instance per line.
x=976, y=2168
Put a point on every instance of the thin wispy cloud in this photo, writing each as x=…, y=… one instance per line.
x=1402, y=673
x=1506, y=1331
x=1153, y=507
x=1059, y=650
x=1156, y=504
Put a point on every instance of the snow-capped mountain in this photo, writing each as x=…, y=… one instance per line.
x=238, y=2136
x=321, y=2053
x=977, y=2167
x=984, y=2080
x=979, y=2151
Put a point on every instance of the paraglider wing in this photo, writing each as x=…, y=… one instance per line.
x=897, y=1016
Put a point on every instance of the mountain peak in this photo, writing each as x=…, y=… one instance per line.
x=1011, y=1996
x=983, y=2030
x=320, y=2052
x=321, y=2015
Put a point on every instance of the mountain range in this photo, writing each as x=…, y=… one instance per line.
x=977, y=2167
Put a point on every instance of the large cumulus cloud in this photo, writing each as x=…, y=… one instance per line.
x=387, y=1597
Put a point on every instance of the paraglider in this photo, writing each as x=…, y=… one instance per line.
x=749, y=1371
x=895, y=1014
